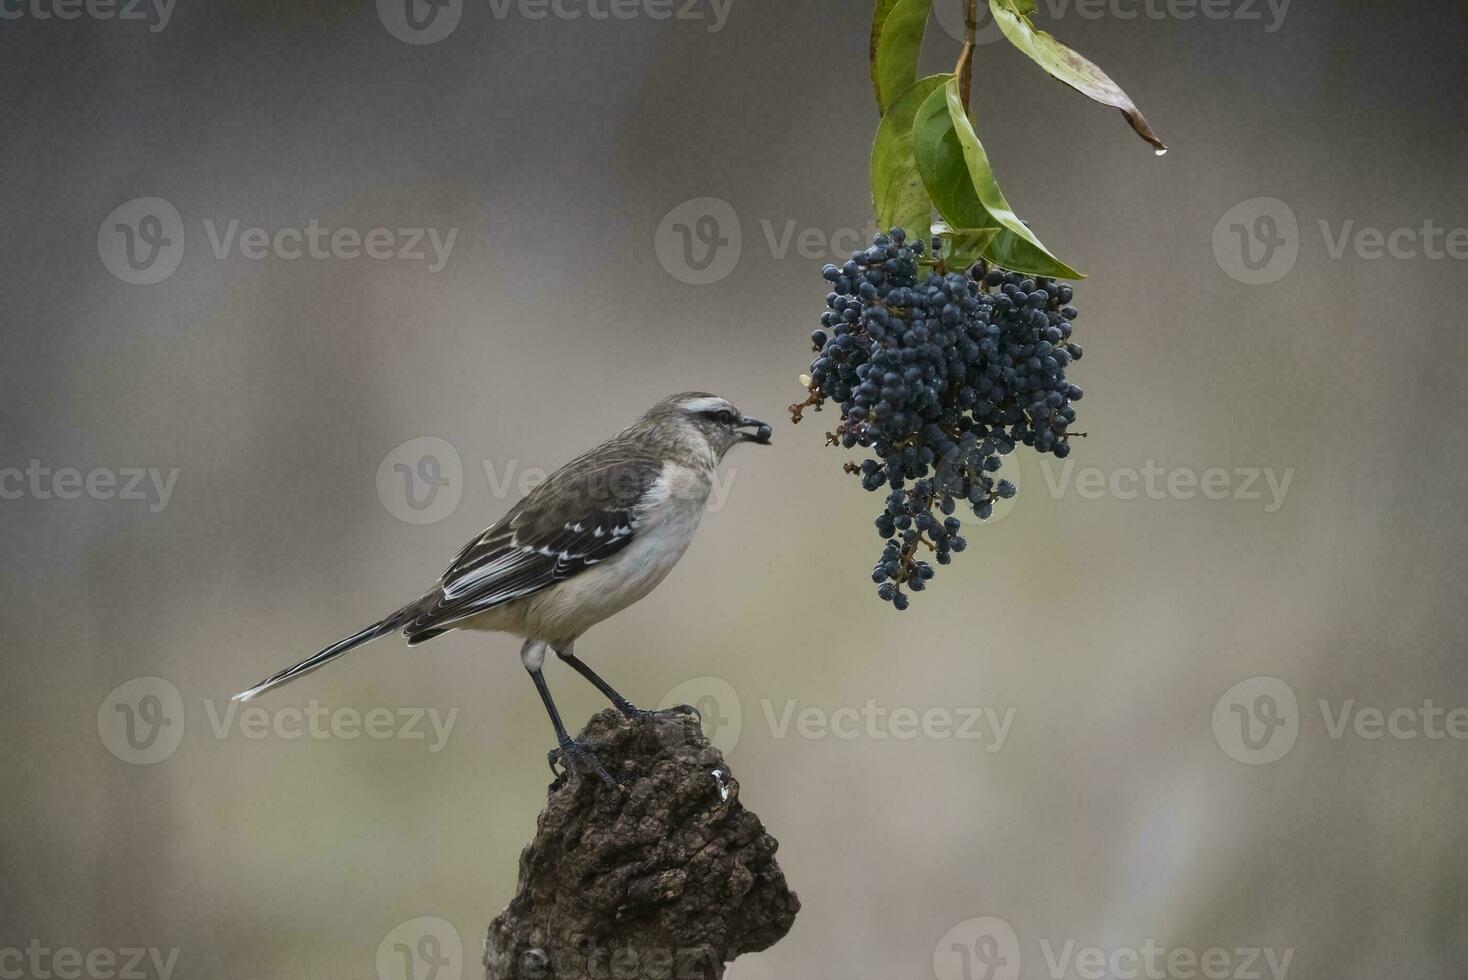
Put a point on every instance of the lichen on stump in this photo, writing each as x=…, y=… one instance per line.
x=667, y=877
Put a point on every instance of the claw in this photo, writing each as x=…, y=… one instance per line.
x=630, y=710
x=577, y=758
x=643, y=714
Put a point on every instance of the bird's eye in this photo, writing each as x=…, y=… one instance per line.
x=725, y=417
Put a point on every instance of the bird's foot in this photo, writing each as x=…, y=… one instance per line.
x=684, y=709
x=577, y=758
x=630, y=710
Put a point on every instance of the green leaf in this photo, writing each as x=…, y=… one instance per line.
x=898, y=194
x=884, y=8
x=900, y=41
x=962, y=247
x=1072, y=69
x=956, y=171
x=1020, y=6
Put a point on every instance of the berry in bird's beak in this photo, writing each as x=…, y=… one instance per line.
x=761, y=433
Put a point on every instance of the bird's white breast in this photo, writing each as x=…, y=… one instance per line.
x=666, y=521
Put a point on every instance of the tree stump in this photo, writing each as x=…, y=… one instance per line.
x=666, y=877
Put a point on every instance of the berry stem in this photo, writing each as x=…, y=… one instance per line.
x=965, y=69
x=812, y=400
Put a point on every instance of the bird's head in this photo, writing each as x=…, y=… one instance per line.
x=705, y=424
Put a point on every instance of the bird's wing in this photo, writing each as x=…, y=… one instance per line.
x=583, y=514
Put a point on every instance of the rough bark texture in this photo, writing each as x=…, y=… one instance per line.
x=667, y=877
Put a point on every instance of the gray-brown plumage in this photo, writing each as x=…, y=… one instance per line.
x=596, y=536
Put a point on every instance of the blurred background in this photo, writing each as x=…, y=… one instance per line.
x=300, y=296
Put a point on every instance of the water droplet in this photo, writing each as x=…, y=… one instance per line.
x=1162, y=152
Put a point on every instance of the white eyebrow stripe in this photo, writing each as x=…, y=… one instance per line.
x=706, y=405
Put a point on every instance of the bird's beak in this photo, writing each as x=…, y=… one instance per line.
x=761, y=433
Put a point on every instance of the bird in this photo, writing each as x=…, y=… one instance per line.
x=596, y=536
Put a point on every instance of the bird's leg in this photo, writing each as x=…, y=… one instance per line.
x=572, y=754
x=627, y=708
x=620, y=703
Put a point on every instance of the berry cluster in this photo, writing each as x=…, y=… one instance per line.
x=939, y=375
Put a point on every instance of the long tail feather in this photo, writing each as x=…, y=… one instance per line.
x=337, y=649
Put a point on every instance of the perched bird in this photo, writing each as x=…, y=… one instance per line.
x=598, y=535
